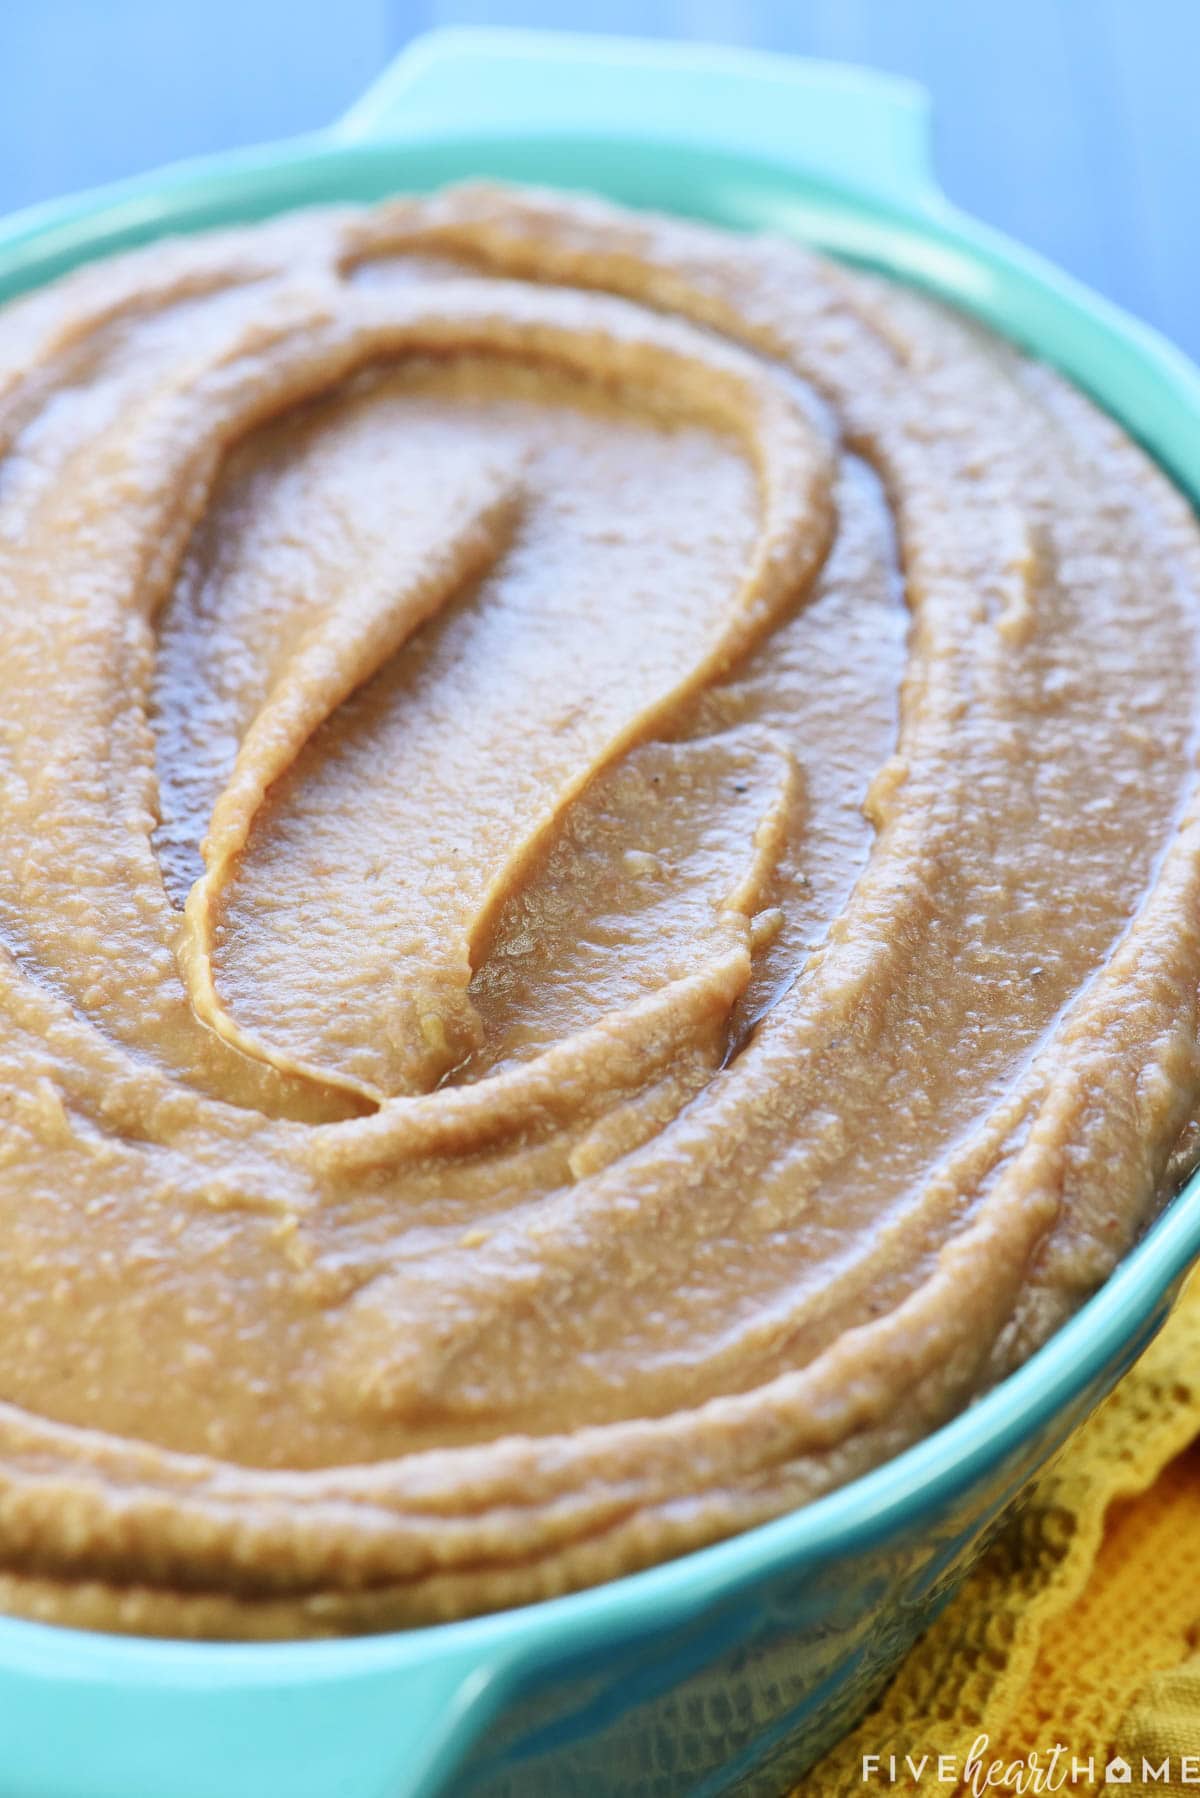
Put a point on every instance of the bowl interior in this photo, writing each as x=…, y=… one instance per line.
x=1133, y=373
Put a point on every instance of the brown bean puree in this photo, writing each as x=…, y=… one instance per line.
x=600, y=900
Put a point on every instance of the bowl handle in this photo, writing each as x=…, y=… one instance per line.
x=861, y=129
x=418, y=1724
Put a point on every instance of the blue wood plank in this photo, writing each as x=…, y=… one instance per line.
x=1153, y=127
x=94, y=89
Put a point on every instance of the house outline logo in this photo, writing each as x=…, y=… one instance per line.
x=1118, y=1772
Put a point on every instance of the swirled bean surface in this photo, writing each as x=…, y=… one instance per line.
x=599, y=899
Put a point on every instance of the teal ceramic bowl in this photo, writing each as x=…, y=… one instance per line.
x=732, y=1669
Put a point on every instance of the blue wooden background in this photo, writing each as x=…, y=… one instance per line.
x=1073, y=124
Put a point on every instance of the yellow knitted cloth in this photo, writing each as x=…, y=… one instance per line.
x=1080, y=1626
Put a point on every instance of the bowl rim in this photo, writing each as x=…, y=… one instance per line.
x=932, y=244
